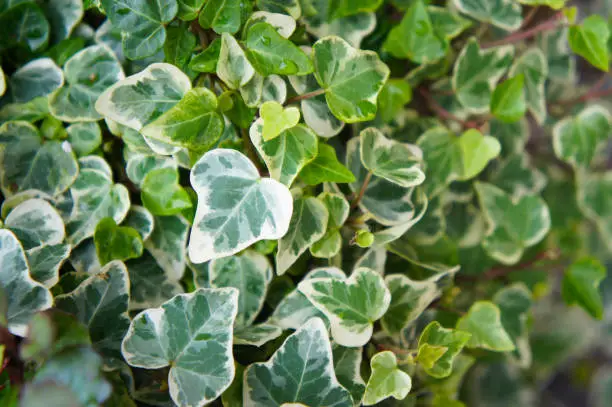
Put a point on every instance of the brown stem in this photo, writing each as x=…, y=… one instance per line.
x=523, y=35
x=529, y=17
x=305, y=96
x=445, y=114
x=364, y=186
x=502, y=272
x=196, y=28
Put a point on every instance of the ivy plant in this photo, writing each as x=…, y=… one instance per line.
x=304, y=203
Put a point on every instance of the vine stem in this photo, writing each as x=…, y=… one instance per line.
x=304, y=96
x=502, y=272
x=364, y=186
x=445, y=114
x=595, y=92
x=548, y=25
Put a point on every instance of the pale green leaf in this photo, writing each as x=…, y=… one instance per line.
x=386, y=380
x=450, y=340
x=276, y=119
x=290, y=7
x=483, y=321
x=162, y=194
x=353, y=29
x=476, y=152
x=233, y=67
x=256, y=335
x=283, y=23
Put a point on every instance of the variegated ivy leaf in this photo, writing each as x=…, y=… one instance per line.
x=512, y=136
x=338, y=209
x=476, y=73
x=315, y=111
x=191, y=333
x=271, y=53
x=37, y=78
x=517, y=176
x=347, y=365
x=342, y=71
x=287, y=154
x=101, y=304
x=449, y=342
x=446, y=22
x=276, y=119
x=25, y=296
x=308, y=224
x=409, y=299
x=513, y=224
x=167, y=244
x=283, y=23
x=64, y=16
x=351, y=305
x=534, y=67
x=300, y=371
x=25, y=24
x=29, y=162
x=141, y=98
x=116, y=242
x=142, y=24
x=483, y=321
x=397, y=162
x=295, y=309
x=88, y=73
x=256, y=335
x=243, y=209
x=36, y=223
x=139, y=165
x=415, y=37
x=45, y=262
x=560, y=60
x=595, y=201
x=84, y=258
x=388, y=203
x=505, y=14
x=94, y=197
x=386, y=380
x=150, y=285
x=192, y=123
x=514, y=302
x=577, y=140
x=84, y=137
x=274, y=89
x=224, y=16
x=449, y=158
x=140, y=219
x=233, y=67
x=250, y=273
x=289, y=7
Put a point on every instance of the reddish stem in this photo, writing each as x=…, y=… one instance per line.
x=445, y=114
x=364, y=186
x=305, y=96
x=523, y=35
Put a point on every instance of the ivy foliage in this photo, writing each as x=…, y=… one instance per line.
x=303, y=202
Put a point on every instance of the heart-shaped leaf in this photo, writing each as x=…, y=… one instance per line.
x=223, y=16
x=84, y=137
x=191, y=333
x=116, y=242
x=534, y=68
x=101, y=304
x=37, y=78
x=352, y=305
x=24, y=23
x=25, y=296
x=449, y=340
x=394, y=161
x=483, y=321
x=386, y=380
x=351, y=78
x=276, y=119
x=476, y=152
x=283, y=23
x=150, y=285
x=581, y=285
x=88, y=73
x=162, y=194
x=514, y=225
x=233, y=67
x=45, y=262
x=505, y=14
x=590, y=40
x=326, y=168
x=331, y=243
x=36, y=223
x=508, y=100
x=347, y=365
x=140, y=219
x=301, y=371
x=514, y=303
x=243, y=209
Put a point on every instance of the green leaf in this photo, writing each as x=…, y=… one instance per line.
x=325, y=168
x=342, y=71
x=560, y=60
x=233, y=67
x=513, y=225
x=308, y=224
x=36, y=223
x=26, y=296
x=192, y=123
x=351, y=305
x=29, y=162
x=64, y=16
x=477, y=71
x=39, y=77
x=415, y=38
x=446, y=22
x=88, y=73
x=84, y=137
x=517, y=176
x=577, y=140
x=271, y=53
x=386, y=380
x=116, y=242
x=150, y=286
x=347, y=365
x=283, y=23
x=508, y=100
x=142, y=24
x=191, y=333
x=514, y=302
x=581, y=285
x=223, y=16
x=353, y=29
x=188, y=9
x=534, y=68
x=206, y=61
x=140, y=219
x=256, y=335
x=483, y=321
x=476, y=152
x=286, y=155
x=24, y=24
x=167, y=245
x=250, y=273
x=243, y=209
x=301, y=371
x=276, y=119
x=141, y=98
x=397, y=162
x=179, y=46
x=139, y=165
x=162, y=194
x=450, y=340
x=590, y=41
x=101, y=304
x=504, y=14
x=331, y=243
x=392, y=98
